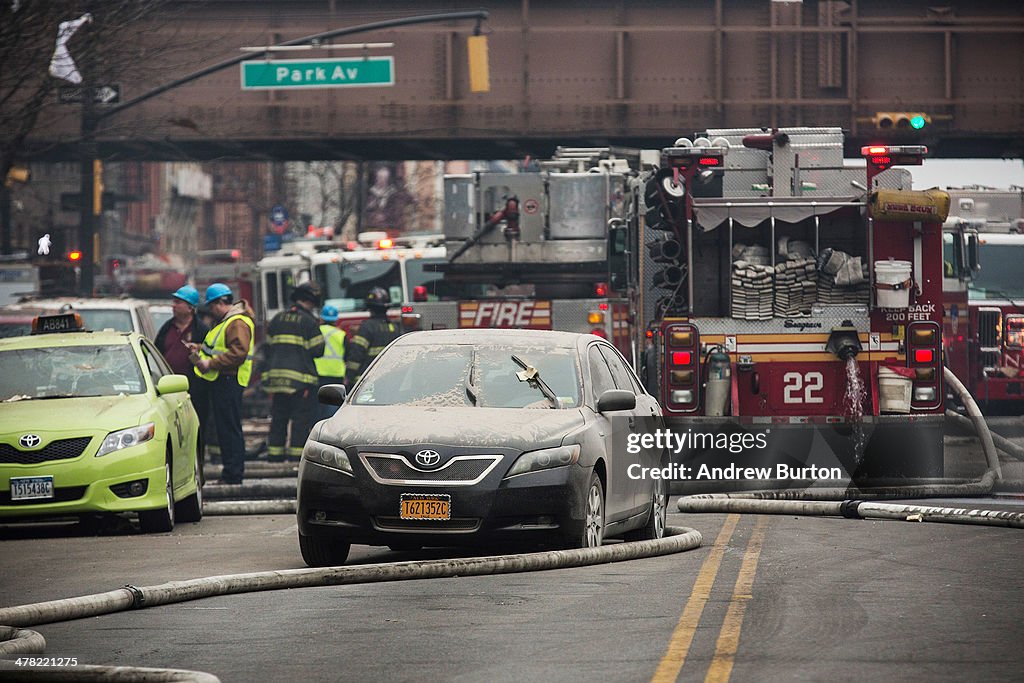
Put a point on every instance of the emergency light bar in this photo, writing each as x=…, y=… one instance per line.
x=684, y=157
x=889, y=155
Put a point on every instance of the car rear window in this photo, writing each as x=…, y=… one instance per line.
x=69, y=372
x=104, y=319
x=468, y=375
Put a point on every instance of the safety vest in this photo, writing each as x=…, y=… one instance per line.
x=332, y=363
x=215, y=345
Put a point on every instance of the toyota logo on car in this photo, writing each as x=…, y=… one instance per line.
x=428, y=458
x=29, y=440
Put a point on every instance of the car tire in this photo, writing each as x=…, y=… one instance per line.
x=654, y=528
x=160, y=521
x=191, y=509
x=589, y=533
x=323, y=551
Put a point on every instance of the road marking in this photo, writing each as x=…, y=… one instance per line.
x=682, y=636
x=729, y=637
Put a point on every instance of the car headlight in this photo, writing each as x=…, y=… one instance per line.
x=547, y=458
x=327, y=455
x=126, y=438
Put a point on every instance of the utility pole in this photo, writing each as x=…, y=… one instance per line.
x=91, y=119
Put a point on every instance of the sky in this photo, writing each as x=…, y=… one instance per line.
x=997, y=173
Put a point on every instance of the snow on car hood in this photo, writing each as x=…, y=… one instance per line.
x=519, y=428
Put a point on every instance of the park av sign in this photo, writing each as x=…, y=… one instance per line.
x=318, y=73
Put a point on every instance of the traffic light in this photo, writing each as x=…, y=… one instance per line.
x=97, y=187
x=664, y=199
x=479, y=68
x=17, y=174
x=901, y=120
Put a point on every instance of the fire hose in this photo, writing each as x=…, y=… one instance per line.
x=853, y=502
x=19, y=641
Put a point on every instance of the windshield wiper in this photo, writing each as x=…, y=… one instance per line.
x=531, y=376
x=472, y=390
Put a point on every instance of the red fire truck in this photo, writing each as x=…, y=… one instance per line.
x=984, y=321
x=534, y=249
x=795, y=308
x=347, y=272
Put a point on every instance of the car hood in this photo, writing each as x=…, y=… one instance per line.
x=73, y=415
x=522, y=429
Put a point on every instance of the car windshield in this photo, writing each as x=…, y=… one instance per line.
x=468, y=375
x=69, y=372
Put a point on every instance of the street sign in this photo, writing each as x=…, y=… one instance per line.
x=318, y=73
x=101, y=94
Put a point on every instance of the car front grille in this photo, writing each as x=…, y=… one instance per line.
x=61, y=449
x=462, y=470
x=61, y=494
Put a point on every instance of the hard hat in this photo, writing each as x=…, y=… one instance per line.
x=216, y=291
x=329, y=314
x=188, y=294
x=378, y=297
x=309, y=291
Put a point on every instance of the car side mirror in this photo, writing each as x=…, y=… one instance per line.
x=171, y=384
x=332, y=394
x=616, y=399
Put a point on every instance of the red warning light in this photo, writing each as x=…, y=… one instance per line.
x=74, y=256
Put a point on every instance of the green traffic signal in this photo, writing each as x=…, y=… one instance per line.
x=917, y=122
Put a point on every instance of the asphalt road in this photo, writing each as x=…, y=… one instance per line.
x=764, y=598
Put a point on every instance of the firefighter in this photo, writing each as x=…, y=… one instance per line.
x=225, y=361
x=331, y=366
x=372, y=336
x=294, y=342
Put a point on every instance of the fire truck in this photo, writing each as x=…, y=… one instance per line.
x=347, y=272
x=227, y=266
x=984, y=311
x=794, y=307
x=534, y=249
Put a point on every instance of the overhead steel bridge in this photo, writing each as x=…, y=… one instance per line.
x=601, y=72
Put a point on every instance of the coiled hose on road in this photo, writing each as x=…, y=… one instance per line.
x=853, y=502
x=15, y=641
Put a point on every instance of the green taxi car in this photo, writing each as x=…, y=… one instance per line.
x=95, y=422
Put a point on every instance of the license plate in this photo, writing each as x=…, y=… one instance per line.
x=31, y=488
x=437, y=506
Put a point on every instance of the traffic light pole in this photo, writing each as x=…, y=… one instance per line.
x=91, y=119
x=88, y=151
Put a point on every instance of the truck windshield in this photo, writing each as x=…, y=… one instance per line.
x=347, y=283
x=999, y=276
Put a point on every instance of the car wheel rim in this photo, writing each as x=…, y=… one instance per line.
x=595, y=524
x=660, y=511
x=169, y=490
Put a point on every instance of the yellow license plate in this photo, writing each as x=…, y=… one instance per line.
x=436, y=506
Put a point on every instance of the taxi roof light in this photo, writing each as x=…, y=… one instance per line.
x=51, y=324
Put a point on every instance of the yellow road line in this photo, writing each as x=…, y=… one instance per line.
x=729, y=637
x=682, y=636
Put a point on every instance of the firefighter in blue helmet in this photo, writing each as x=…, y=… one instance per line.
x=294, y=342
x=331, y=366
x=372, y=336
x=225, y=361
